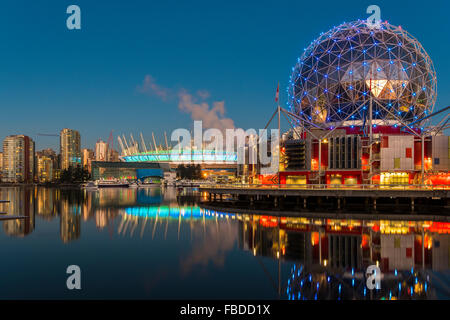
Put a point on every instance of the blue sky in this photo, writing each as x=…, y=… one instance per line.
x=93, y=79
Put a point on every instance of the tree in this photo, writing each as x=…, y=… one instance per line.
x=74, y=175
x=192, y=172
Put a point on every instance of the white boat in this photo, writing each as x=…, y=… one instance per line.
x=171, y=183
x=112, y=183
x=149, y=185
x=90, y=186
x=138, y=184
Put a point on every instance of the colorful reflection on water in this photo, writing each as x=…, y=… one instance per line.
x=159, y=243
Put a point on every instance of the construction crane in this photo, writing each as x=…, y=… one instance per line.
x=111, y=141
x=47, y=135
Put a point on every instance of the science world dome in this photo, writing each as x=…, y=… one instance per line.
x=354, y=68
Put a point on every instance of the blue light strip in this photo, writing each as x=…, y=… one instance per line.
x=176, y=156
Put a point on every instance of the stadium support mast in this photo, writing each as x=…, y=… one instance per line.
x=154, y=142
x=143, y=143
x=124, y=151
x=165, y=137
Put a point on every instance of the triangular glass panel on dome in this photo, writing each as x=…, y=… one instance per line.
x=329, y=91
x=374, y=71
x=376, y=86
x=354, y=72
x=388, y=92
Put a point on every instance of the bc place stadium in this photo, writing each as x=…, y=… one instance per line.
x=141, y=161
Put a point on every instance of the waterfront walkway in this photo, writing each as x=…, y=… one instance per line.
x=372, y=197
x=372, y=191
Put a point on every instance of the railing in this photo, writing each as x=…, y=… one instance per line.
x=328, y=186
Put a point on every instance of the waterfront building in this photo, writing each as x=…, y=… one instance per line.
x=214, y=164
x=101, y=151
x=18, y=159
x=70, y=148
x=361, y=98
x=46, y=165
x=44, y=168
x=105, y=170
x=113, y=155
x=88, y=157
x=49, y=152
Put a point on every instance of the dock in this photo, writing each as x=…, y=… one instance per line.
x=368, y=198
x=5, y=217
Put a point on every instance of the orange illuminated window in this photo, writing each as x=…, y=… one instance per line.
x=385, y=142
x=409, y=252
x=314, y=238
x=409, y=152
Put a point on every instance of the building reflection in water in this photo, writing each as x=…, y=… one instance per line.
x=21, y=203
x=328, y=257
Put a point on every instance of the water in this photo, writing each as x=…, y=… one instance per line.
x=159, y=244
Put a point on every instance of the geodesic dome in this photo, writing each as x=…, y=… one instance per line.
x=353, y=66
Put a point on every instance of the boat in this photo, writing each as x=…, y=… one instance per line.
x=148, y=185
x=170, y=183
x=112, y=183
x=138, y=184
x=90, y=186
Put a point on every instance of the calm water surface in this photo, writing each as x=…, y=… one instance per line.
x=159, y=244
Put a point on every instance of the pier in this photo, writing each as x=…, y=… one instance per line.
x=366, y=198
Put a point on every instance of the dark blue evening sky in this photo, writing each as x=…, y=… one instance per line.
x=51, y=78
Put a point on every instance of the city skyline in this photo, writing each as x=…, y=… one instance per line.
x=243, y=150
x=131, y=68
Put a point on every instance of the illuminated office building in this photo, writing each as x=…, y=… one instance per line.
x=44, y=168
x=18, y=159
x=101, y=151
x=88, y=157
x=70, y=146
x=1, y=165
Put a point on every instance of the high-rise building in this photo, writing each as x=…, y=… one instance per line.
x=101, y=151
x=49, y=152
x=18, y=159
x=70, y=146
x=44, y=168
x=88, y=157
x=113, y=155
x=48, y=173
x=1, y=165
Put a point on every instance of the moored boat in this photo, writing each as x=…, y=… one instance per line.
x=112, y=184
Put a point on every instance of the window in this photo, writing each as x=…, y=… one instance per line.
x=409, y=152
x=331, y=146
x=396, y=163
x=436, y=160
x=409, y=252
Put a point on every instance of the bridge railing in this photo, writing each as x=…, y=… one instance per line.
x=328, y=186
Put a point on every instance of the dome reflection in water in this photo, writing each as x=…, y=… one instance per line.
x=161, y=243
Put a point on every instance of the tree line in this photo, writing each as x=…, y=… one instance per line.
x=191, y=171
